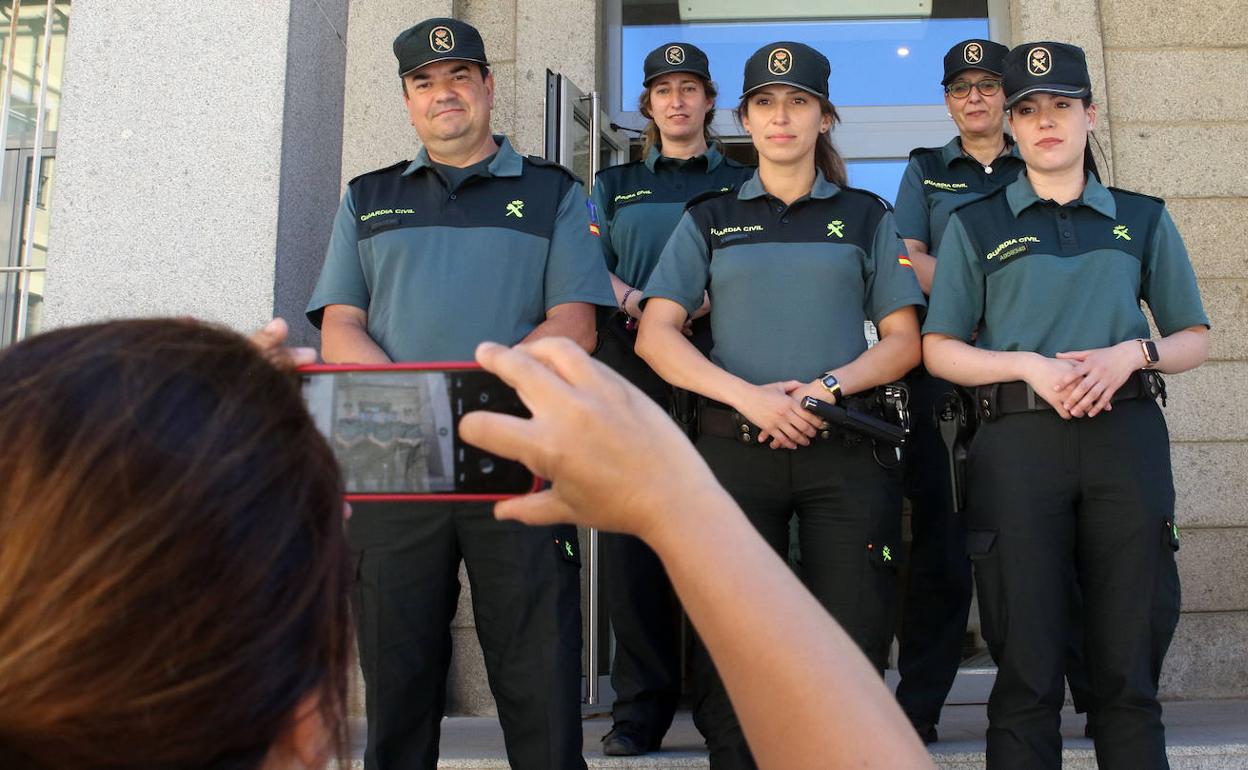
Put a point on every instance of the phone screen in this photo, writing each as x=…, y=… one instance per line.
x=394, y=430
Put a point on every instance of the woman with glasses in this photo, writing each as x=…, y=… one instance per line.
x=636, y=207
x=1036, y=306
x=794, y=263
x=937, y=596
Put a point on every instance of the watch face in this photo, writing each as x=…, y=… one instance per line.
x=830, y=382
x=1150, y=351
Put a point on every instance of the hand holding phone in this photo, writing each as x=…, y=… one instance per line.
x=394, y=430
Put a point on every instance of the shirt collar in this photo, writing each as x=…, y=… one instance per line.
x=711, y=157
x=753, y=188
x=953, y=150
x=506, y=162
x=1021, y=195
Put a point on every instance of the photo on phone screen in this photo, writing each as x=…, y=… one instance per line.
x=393, y=430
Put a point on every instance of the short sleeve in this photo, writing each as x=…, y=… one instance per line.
x=911, y=207
x=598, y=199
x=957, y=300
x=575, y=271
x=889, y=279
x=1169, y=283
x=684, y=268
x=342, y=280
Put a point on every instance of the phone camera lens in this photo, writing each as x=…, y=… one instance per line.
x=484, y=398
x=487, y=465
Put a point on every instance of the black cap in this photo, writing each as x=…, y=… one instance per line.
x=438, y=40
x=1046, y=68
x=974, y=54
x=794, y=64
x=676, y=57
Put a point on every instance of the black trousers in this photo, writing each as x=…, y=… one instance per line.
x=644, y=611
x=1090, y=500
x=938, y=589
x=526, y=601
x=849, y=526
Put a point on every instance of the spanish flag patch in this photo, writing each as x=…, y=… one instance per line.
x=905, y=260
x=593, y=218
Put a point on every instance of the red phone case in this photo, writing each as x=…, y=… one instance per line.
x=409, y=498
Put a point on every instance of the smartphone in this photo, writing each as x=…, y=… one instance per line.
x=395, y=430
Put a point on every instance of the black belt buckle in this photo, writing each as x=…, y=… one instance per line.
x=986, y=401
x=1154, y=385
x=747, y=432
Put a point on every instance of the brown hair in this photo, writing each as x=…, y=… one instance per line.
x=173, y=570
x=650, y=136
x=827, y=159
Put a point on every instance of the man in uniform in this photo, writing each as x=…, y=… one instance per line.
x=469, y=242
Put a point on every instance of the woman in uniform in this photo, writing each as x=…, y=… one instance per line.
x=636, y=206
x=979, y=160
x=794, y=263
x=1069, y=473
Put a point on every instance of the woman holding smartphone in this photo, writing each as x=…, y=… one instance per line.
x=636, y=206
x=1069, y=473
x=794, y=263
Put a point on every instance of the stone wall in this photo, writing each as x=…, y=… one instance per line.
x=1177, y=74
x=191, y=149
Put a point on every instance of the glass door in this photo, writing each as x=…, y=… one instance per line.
x=581, y=137
x=32, y=56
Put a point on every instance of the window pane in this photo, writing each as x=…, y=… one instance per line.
x=882, y=53
x=881, y=177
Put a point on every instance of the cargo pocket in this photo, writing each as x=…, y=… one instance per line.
x=1168, y=596
x=985, y=556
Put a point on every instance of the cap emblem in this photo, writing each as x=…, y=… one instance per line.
x=780, y=61
x=1039, y=61
x=973, y=53
x=674, y=54
x=441, y=39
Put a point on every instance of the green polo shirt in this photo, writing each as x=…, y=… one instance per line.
x=790, y=285
x=638, y=205
x=442, y=268
x=939, y=179
x=1036, y=276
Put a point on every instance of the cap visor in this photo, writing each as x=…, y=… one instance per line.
x=1057, y=89
x=949, y=78
x=646, y=83
x=405, y=73
x=801, y=86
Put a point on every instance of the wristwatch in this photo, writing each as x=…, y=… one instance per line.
x=832, y=385
x=1150, y=353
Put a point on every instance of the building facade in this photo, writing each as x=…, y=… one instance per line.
x=191, y=160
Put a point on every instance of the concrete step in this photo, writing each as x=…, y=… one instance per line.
x=1201, y=735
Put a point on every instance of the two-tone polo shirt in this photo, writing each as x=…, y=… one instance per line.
x=1037, y=276
x=791, y=285
x=939, y=179
x=638, y=205
x=439, y=268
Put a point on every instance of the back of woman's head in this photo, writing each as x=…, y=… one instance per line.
x=173, y=573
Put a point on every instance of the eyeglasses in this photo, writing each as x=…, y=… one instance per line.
x=960, y=89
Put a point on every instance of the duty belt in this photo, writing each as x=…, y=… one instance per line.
x=722, y=421
x=1015, y=397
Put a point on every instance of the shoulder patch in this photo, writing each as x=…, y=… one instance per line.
x=391, y=167
x=1162, y=201
x=706, y=196
x=921, y=151
x=543, y=163
x=883, y=202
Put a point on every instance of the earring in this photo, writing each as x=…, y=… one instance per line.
x=948, y=114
